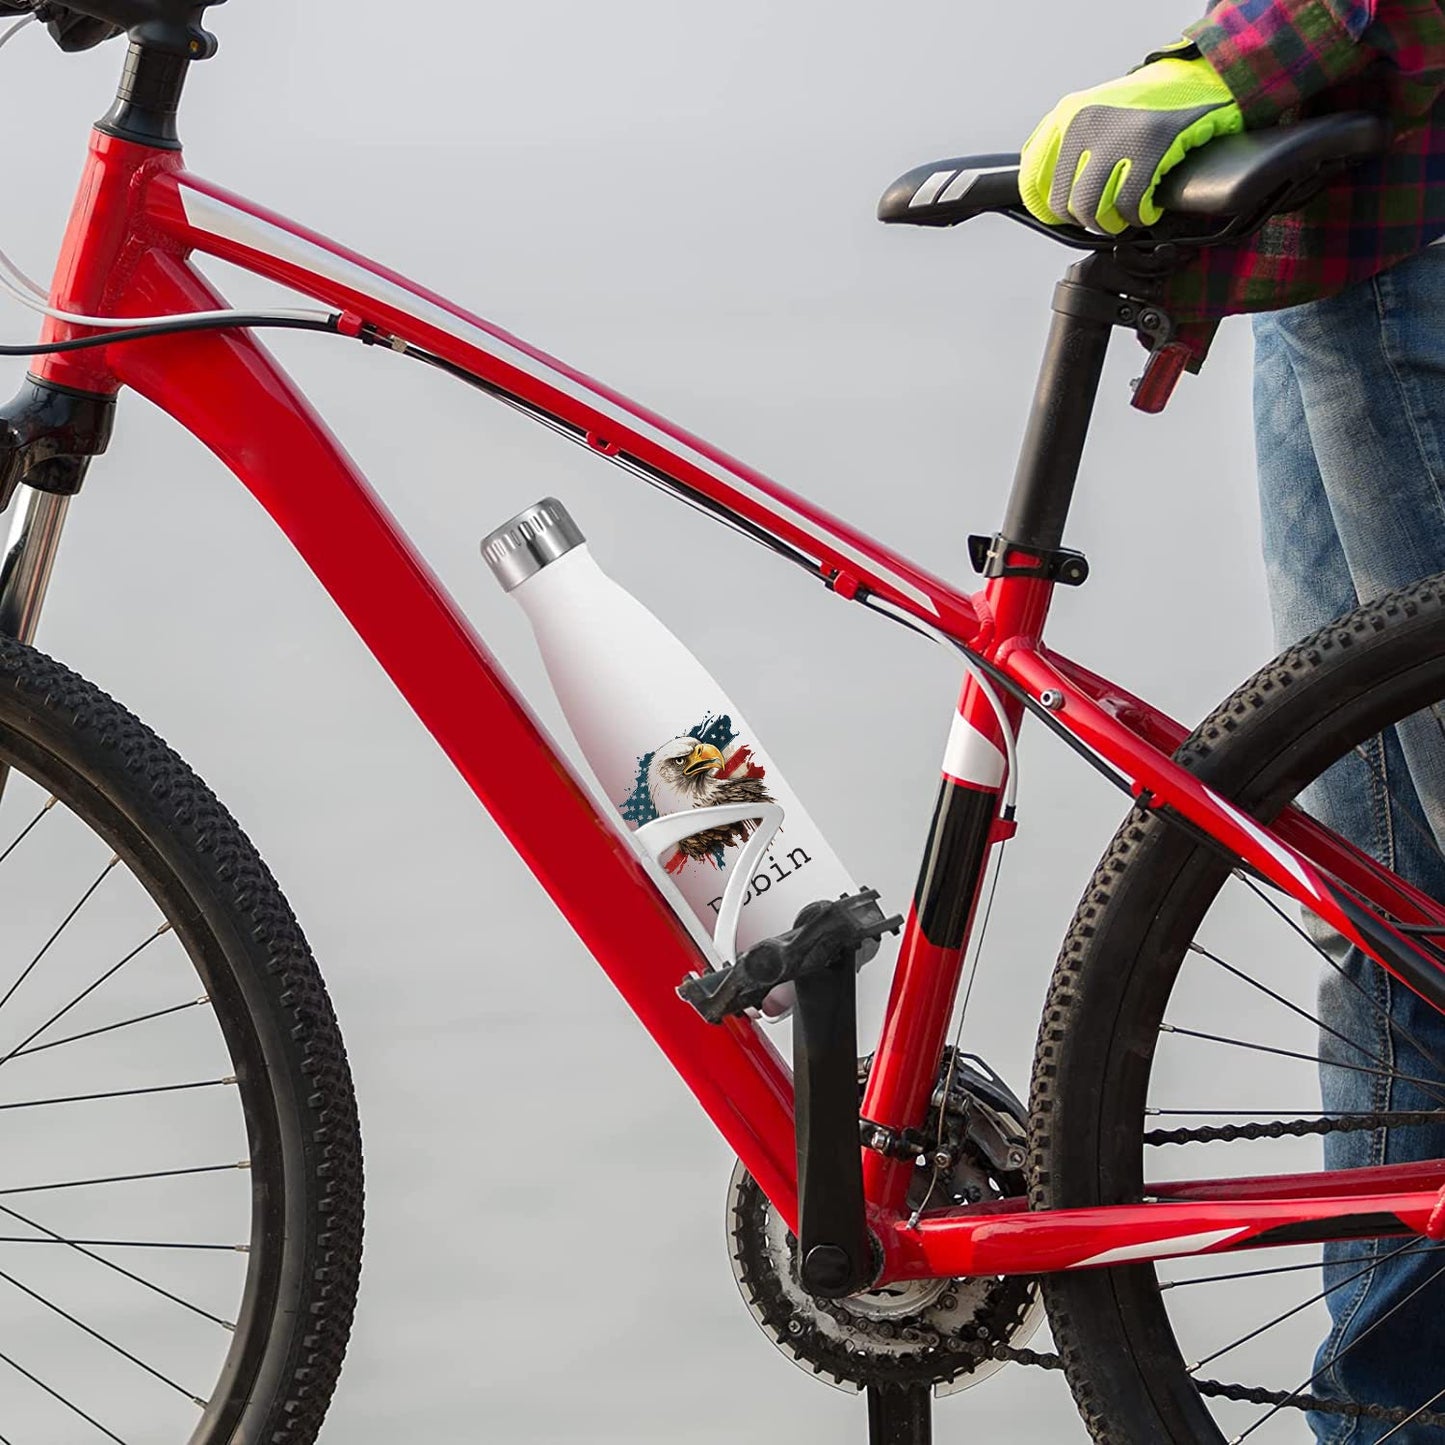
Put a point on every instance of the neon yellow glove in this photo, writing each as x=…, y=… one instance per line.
x=1098, y=156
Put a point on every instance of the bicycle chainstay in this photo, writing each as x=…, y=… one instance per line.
x=1254, y=1394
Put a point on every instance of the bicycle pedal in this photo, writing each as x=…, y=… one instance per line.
x=827, y=934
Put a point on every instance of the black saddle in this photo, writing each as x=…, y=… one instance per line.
x=1239, y=181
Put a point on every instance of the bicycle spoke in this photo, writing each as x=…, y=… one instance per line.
x=1293, y=1008
x=29, y=828
x=85, y=993
x=109, y=1343
x=56, y=1395
x=1340, y=1354
x=64, y=924
x=118, y=1094
x=125, y=1178
x=126, y=1243
x=1293, y=1054
x=1370, y=1268
x=1314, y=1264
x=1335, y=966
x=111, y=1028
x=118, y=1269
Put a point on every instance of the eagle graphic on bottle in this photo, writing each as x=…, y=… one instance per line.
x=709, y=766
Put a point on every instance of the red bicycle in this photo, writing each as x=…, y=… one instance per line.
x=893, y=1227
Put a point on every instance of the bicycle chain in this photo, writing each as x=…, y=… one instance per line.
x=1253, y=1394
x=1291, y=1128
x=989, y=1326
x=992, y=1323
x=1220, y=1390
x=1281, y=1129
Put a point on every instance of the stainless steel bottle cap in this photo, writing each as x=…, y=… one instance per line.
x=530, y=541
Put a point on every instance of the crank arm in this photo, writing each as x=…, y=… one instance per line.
x=835, y=1251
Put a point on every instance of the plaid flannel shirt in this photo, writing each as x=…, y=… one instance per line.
x=1286, y=59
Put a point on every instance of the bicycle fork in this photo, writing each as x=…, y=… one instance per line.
x=27, y=566
x=48, y=437
x=29, y=561
x=52, y=436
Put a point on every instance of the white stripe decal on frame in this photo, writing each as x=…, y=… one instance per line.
x=216, y=218
x=1277, y=851
x=1162, y=1248
x=971, y=758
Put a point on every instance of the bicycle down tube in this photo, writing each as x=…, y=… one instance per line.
x=138, y=219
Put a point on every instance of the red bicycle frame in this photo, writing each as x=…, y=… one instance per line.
x=140, y=218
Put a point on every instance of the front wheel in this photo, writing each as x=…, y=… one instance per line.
x=180, y=1167
x=1193, y=1018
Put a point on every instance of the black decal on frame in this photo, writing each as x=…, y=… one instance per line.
x=1342, y=1226
x=957, y=848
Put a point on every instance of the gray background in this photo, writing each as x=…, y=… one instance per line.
x=678, y=198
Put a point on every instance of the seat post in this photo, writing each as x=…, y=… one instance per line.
x=1063, y=408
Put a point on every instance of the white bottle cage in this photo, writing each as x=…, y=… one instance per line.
x=666, y=832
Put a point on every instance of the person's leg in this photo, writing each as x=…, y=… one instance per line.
x=1350, y=420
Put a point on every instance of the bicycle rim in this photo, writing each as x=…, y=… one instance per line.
x=1191, y=1020
x=157, y=1209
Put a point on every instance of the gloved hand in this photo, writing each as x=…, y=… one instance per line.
x=72, y=32
x=69, y=30
x=1099, y=155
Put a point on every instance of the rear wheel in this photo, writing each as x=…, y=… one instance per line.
x=1183, y=1038
x=180, y=1168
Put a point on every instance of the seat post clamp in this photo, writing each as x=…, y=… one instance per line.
x=1154, y=326
x=996, y=556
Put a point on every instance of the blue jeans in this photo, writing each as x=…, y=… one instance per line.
x=1350, y=422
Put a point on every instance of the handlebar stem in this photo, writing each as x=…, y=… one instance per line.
x=172, y=27
x=148, y=99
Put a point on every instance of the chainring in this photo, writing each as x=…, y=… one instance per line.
x=918, y=1332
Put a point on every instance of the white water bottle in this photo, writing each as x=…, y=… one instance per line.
x=664, y=739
